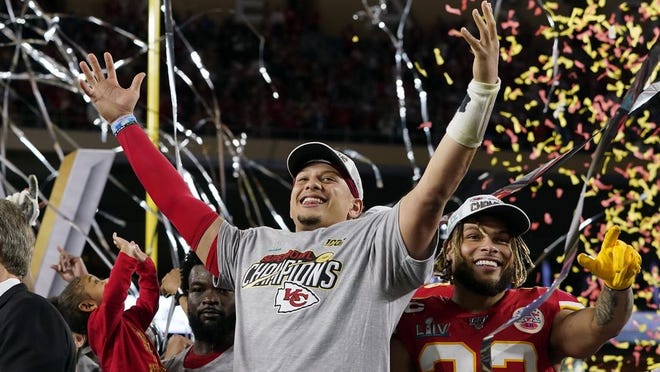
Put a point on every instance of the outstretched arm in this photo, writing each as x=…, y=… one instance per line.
x=147, y=303
x=581, y=333
x=194, y=220
x=421, y=210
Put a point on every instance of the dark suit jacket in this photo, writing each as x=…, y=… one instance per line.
x=33, y=334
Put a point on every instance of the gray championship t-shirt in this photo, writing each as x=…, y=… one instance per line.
x=322, y=300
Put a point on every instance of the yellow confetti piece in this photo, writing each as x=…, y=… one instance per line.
x=517, y=128
x=530, y=137
x=512, y=94
x=570, y=173
x=530, y=105
x=448, y=79
x=438, y=57
x=652, y=365
x=635, y=34
x=610, y=358
x=514, y=49
x=420, y=69
x=597, y=65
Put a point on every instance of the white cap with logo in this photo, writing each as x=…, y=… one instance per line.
x=313, y=152
x=515, y=218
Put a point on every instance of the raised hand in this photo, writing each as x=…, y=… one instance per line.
x=616, y=264
x=486, y=49
x=129, y=248
x=110, y=99
x=171, y=282
x=69, y=267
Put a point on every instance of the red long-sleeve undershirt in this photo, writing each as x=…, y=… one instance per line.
x=189, y=215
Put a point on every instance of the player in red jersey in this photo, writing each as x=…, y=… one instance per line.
x=486, y=261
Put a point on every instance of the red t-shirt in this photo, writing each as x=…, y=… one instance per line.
x=440, y=336
x=193, y=360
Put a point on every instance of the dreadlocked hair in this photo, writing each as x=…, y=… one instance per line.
x=67, y=303
x=521, y=261
x=519, y=249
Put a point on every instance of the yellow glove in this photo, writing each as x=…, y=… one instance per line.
x=617, y=263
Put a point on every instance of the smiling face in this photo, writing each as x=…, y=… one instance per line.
x=485, y=263
x=320, y=198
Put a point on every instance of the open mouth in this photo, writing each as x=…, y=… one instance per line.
x=487, y=263
x=311, y=201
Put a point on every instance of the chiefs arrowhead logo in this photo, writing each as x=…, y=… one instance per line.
x=294, y=297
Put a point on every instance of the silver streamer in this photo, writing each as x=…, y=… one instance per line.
x=374, y=13
x=359, y=157
x=169, y=57
x=50, y=58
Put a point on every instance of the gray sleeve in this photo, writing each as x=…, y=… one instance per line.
x=392, y=264
x=229, y=242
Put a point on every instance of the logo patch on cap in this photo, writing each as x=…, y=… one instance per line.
x=477, y=205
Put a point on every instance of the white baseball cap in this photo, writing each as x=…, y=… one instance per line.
x=315, y=152
x=515, y=218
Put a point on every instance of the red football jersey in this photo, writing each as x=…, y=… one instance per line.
x=441, y=336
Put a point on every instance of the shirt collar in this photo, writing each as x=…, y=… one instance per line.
x=7, y=284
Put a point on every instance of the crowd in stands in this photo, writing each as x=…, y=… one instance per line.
x=333, y=86
x=328, y=85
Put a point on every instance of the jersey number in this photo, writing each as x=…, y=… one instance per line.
x=465, y=359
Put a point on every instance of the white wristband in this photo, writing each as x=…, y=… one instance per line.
x=468, y=125
x=122, y=122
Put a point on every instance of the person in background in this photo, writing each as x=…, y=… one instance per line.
x=96, y=308
x=85, y=360
x=212, y=318
x=33, y=335
x=485, y=260
x=294, y=289
x=69, y=267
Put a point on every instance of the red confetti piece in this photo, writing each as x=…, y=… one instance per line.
x=452, y=10
x=547, y=218
x=484, y=185
x=510, y=23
